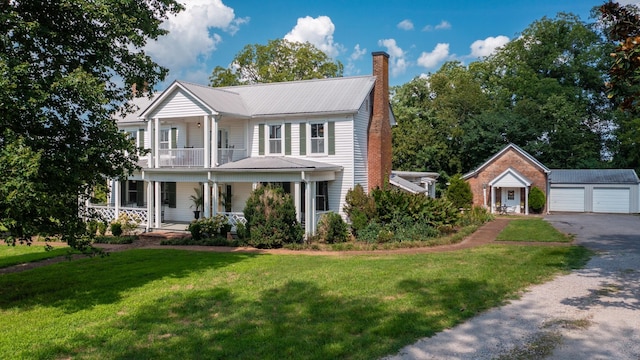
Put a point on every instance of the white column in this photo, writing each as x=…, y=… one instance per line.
x=296, y=200
x=207, y=200
x=116, y=195
x=158, y=202
x=308, y=209
x=151, y=136
x=484, y=195
x=526, y=200
x=207, y=142
x=493, y=199
x=150, y=203
x=156, y=142
x=214, y=141
x=214, y=199
x=312, y=207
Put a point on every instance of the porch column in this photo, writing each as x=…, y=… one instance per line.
x=296, y=200
x=207, y=143
x=214, y=199
x=310, y=211
x=214, y=141
x=158, y=202
x=484, y=195
x=156, y=142
x=526, y=200
x=492, y=193
x=116, y=195
x=207, y=199
x=150, y=133
x=150, y=203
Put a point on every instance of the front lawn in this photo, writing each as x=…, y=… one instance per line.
x=21, y=254
x=173, y=304
x=532, y=229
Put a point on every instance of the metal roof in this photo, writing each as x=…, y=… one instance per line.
x=593, y=176
x=222, y=101
x=280, y=163
x=406, y=184
x=139, y=105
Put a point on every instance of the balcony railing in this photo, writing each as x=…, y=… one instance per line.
x=181, y=158
x=230, y=154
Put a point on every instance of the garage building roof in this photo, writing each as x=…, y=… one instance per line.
x=593, y=176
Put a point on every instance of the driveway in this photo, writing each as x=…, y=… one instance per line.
x=592, y=313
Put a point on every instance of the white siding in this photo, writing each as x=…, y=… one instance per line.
x=361, y=124
x=183, y=211
x=611, y=200
x=178, y=104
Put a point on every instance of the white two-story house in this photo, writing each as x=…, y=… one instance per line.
x=316, y=138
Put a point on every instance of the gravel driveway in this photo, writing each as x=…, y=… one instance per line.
x=592, y=313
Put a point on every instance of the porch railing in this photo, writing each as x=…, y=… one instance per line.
x=108, y=213
x=230, y=154
x=181, y=157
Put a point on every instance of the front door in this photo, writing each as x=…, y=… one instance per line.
x=511, y=198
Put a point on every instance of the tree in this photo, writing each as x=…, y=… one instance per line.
x=279, y=60
x=459, y=192
x=66, y=68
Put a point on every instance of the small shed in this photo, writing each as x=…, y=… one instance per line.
x=594, y=190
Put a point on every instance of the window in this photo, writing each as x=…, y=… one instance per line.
x=275, y=139
x=164, y=139
x=168, y=194
x=133, y=135
x=317, y=138
x=322, y=196
x=511, y=195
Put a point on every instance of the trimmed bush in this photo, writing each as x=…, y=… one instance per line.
x=537, y=200
x=459, y=192
x=92, y=227
x=116, y=229
x=102, y=228
x=271, y=218
x=332, y=228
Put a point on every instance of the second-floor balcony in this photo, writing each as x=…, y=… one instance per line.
x=194, y=157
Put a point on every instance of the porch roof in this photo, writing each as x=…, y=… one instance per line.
x=405, y=184
x=275, y=164
x=510, y=178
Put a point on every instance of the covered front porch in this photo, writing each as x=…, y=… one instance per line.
x=508, y=193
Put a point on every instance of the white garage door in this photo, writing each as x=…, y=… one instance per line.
x=611, y=200
x=567, y=199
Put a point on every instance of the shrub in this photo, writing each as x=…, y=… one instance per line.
x=537, y=200
x=332, y=228
x=114, y=239
x=102, y=228
x=477, y=215
x=207, y=228
x=459, y=192
x=370, y=232
x=359, y=207
x=241, y=231
x=116, y=229
x=195, y=228
x=92, y=227
x=127, y=224
x=271, y=218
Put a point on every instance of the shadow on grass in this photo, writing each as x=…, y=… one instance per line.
x=81, y=284
x=297, y=320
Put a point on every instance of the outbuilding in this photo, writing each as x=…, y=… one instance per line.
x=594, y=190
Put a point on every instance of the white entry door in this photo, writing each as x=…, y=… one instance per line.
x=511, y=198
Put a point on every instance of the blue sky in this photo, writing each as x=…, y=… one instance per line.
x=419, y=35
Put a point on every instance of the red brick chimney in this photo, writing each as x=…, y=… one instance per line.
x=379, y=132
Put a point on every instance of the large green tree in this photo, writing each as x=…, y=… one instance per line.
x=278, y=60
x=66, y=68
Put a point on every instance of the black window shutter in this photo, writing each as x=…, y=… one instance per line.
x=287, y=139
x=171, y=191
x=261, y=139
x=140, y=193
x=303, y=139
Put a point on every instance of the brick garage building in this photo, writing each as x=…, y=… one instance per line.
x=503, y=182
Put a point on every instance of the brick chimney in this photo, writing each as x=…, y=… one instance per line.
x=379, y=132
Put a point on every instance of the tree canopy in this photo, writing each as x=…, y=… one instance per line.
x=278, y=60
x=66, y=68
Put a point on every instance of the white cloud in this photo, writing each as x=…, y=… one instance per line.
x=627, y=2
x=317, y=31
x=431, y=59
x=397, y=57
x=189, y=39
x=357, y=54
x=405, y=25
x=488, y=46
x=444, y=25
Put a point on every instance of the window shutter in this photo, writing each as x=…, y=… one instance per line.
x=332, y=138
x=123, y=193
x=171, y=191
x=303, y=139
x=140, y=193
x=141, y=138
x=261, y=139
x=287, y=139
x=174, y=138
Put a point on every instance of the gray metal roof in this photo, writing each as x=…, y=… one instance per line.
x=593, y=176
x=280, y=163
x=139, y=104
x=223, y=101
x=406, y=184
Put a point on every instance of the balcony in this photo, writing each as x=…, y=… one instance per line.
x=181, y=158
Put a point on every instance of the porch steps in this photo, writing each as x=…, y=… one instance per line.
x=159, y=235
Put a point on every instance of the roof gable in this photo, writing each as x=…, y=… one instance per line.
x=510, y=178
x=515, y=148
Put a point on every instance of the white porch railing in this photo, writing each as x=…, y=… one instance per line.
x=230, y=154
x=108, y=213
x=181, y=157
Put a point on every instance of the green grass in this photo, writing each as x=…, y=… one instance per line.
x=172, y=304
x=533, y=229
x=21, y=254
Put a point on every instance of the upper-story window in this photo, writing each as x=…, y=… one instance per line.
x=165, y=139
x=317, y=138
x=275, y=139
x=133, y=135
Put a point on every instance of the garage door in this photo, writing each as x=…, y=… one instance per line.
x=611, y=200
x=567, y=199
